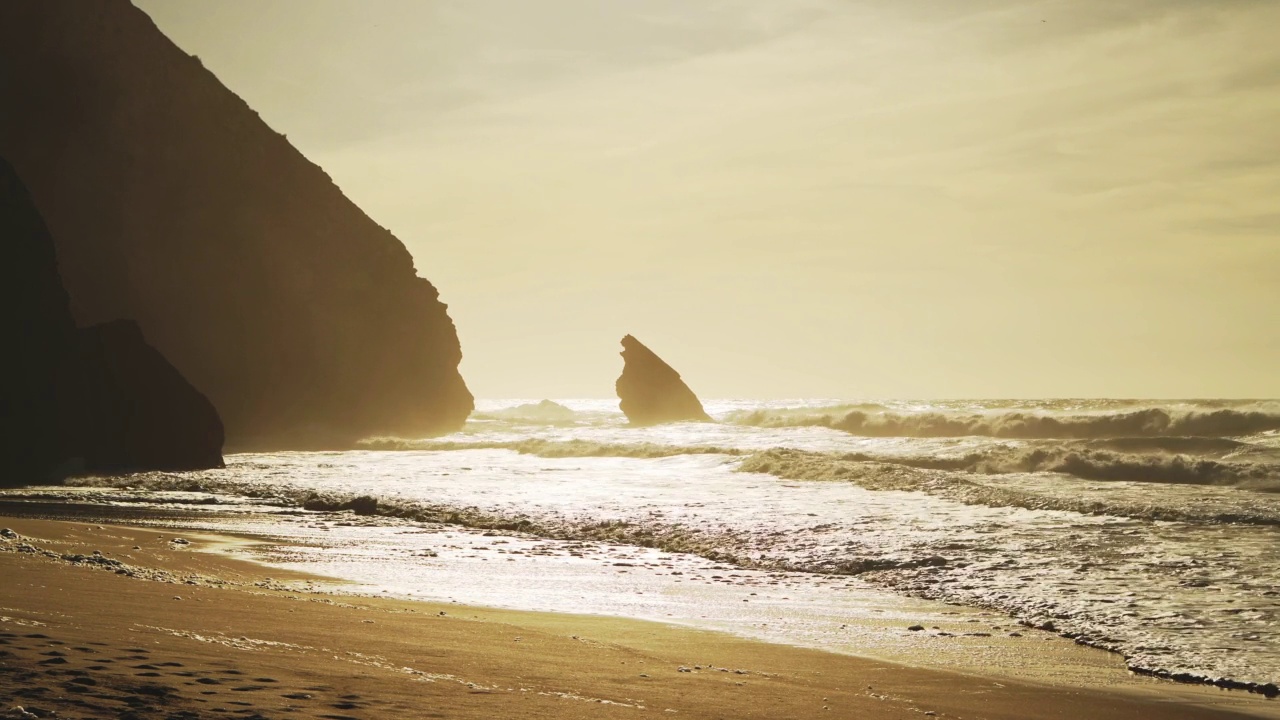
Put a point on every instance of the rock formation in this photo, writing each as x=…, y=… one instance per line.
x=546, y=411
x=124, y=407
x=172, y=203
x=99, y=399
x=36, y=330
x=651, y=391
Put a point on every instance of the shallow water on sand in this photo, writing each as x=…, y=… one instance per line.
x=1121, y=533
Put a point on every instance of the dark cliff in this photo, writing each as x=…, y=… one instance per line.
x=651, y=391
x=172, y=203
x=36, y=331
x=99, y=399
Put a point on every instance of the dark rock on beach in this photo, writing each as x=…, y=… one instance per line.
x=36, y=330
x=362, y=505
x=174, y=204
x=651, y=391
x=124, y=407
x=95, y=399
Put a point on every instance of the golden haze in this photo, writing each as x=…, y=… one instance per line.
x=807, y=198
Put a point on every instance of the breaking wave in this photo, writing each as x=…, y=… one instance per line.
x=1018, y=424
x=1090, y=461
x=551, y=448
x=944, y=482
x=1093, y=464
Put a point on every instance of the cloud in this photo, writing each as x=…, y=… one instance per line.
x=1267, y=224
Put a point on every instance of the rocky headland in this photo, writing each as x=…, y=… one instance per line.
x=172, y=203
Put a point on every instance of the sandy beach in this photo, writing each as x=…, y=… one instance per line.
x=104, y=621
x=756, y=359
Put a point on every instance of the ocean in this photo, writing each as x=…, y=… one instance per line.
x=1151, y=529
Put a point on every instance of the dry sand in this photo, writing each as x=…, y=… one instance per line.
x=150, y=629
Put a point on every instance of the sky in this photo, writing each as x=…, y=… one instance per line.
x=803, y=198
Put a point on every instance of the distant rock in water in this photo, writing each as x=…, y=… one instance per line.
x=651, y=391
x=546, y=411
x=172, y=203
x=98, y=399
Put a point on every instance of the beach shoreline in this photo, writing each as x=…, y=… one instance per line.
x=411, y=658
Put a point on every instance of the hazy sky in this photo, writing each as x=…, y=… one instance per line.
x=830, y=198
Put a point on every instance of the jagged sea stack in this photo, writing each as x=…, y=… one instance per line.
x=99, y=399
x=172, y=203
x=651, y=391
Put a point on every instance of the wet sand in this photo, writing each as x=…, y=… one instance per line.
x=147, y=628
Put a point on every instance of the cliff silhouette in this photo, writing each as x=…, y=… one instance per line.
x=172, y=203
x=95, y=399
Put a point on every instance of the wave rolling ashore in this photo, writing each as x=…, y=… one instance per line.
x=134, y=622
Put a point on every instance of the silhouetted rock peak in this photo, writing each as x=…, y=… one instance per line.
x=651, y=391
x=99, y=399
x=174, y=204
